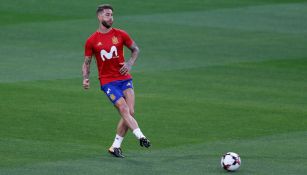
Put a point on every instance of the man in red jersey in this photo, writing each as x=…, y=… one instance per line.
x=107, y=45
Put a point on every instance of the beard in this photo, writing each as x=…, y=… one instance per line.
x=104, y=23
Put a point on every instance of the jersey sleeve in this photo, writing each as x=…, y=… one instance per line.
x=88, y=50
x=127, y=39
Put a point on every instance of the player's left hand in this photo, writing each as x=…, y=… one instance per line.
x=126, y=67
x=86, y=84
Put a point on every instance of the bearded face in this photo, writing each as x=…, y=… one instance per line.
x=106, y=18
x=107, y=24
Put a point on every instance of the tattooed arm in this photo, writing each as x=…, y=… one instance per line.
x=86, y=72
x=134, y=55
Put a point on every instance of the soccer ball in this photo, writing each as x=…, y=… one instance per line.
x=230, y=161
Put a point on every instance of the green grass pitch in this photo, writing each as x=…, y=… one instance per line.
x=212, y=77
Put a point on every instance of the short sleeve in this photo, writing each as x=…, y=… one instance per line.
x=127, y=39
x=88, y=50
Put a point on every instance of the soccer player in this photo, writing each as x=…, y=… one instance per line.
x=107, y=45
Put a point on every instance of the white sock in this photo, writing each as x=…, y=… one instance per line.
x=117, y=141
x=138, y=133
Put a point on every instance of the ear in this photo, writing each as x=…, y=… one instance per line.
x=99, y=16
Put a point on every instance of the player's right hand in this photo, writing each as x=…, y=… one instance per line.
x=86, y=83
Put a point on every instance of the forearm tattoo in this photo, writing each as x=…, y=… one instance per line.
x=134, y=53
x=86, y=68
x=87, y=61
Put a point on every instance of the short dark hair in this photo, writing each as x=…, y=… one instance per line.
x=102, y=7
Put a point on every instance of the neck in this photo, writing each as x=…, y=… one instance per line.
x=103, y=29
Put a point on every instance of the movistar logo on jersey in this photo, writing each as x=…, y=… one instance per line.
x=109, y=55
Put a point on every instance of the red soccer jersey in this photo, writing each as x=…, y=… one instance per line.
x=108, y=49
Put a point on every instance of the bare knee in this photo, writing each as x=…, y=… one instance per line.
x=123, y=109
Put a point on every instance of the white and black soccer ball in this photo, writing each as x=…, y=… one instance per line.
x=231, y=161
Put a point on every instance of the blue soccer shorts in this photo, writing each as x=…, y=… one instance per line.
x=114, y=90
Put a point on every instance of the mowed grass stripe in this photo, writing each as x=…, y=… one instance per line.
x=263, y=155
x=229, y=87
x=33, y=11
x=276, y=18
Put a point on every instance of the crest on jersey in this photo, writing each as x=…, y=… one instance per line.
x=114, y=40
x=99, y=44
